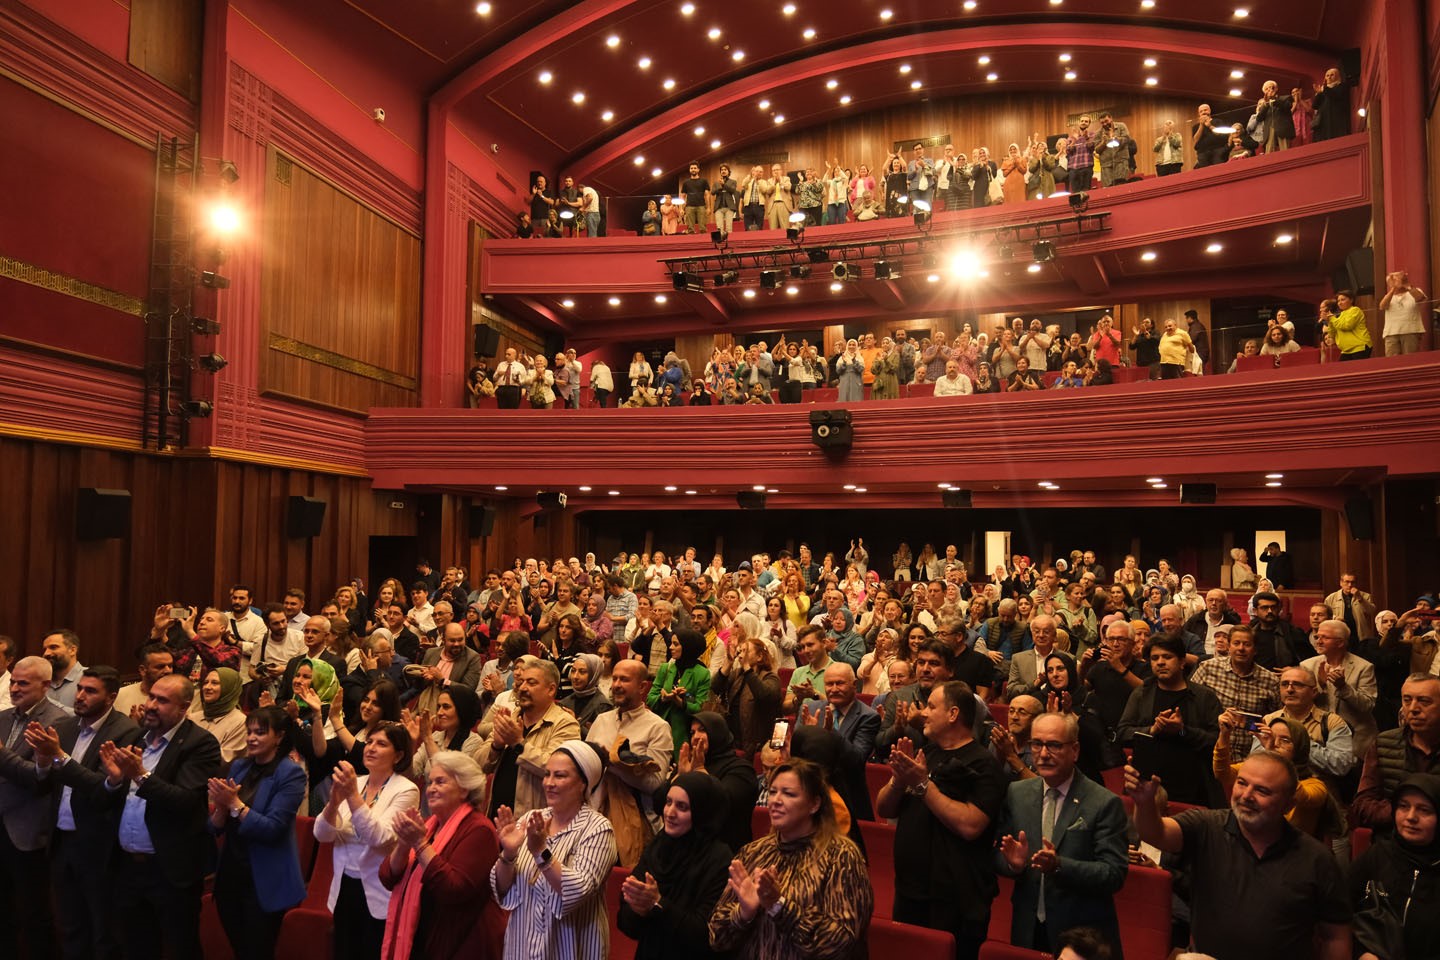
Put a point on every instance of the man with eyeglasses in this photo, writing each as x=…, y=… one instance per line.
x=1277, y=643
x=1345, y=683
x=1011, y=743
x=1063, y=840
x=1354, y=607
x=1332, y=752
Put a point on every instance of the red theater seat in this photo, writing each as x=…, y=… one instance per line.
x=876, y=776
x=759, y=822
x=997, y=950
x=880, y=851
x=1114, y=779
x=1144, y=907
x=890, y=939
x=1000, y=713
x=822, y=395
x=1000, y=912
x=621, y=946
x=1360, y=839
x=867, y=698
x=785, y=673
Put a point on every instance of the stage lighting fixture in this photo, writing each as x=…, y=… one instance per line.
x=687, y=282
x=845, y=271
x=886, y=270
x=929, y=262
x=725, y=277
x=797, y=218
x=1004, y=252
x=193, y=409
x=793, y=234
x=819, y=256
x=800, y=271
x=209, y=278
x=1079, y=202
x=1043, y=251
x=769, y=279
x=211, y=362
x=717, y=237
x=228, y=171
x=204, y=327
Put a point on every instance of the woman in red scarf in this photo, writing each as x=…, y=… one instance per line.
x=439, y=871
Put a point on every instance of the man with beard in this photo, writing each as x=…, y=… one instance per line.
x=246, y=629
x=521, y=741
x=1259, y=887
x=1180, y=719
x=1277, y=643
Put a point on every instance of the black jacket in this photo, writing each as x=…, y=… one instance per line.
x=96, y=818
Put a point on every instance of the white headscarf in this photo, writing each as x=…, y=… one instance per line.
x=588, y=762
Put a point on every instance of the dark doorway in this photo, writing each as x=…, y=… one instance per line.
x=392, y=557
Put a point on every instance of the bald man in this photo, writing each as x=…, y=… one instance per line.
x=858, y=725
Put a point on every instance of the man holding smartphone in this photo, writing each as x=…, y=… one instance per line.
x=1240, y=685
x=1183, y=720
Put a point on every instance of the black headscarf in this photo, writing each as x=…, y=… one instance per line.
x=467, y=712
x=692, y=648
x=736, y=777
x=1075, y=688
x=826, y=749
x=1429, y=785
x=670, y=857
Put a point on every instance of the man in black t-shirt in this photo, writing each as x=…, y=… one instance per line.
x=975, y=669
x=696, y=192
x=1112, y=674
x=947, y=797
x=1210, y=147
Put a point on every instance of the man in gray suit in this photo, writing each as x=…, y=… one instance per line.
x=1063, y=840
x=1027, y=668
x=25, y=812
x=855, y=721
x=450, y=664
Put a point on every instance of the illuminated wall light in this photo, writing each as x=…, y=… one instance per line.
x=836, y=287
x=848, y=486
x=1237, y=92
x=691, y=493
x=224, y=218
x=933, y=278
x=661, y=298
x=714, y=33
x=904, y=68
x=792, y=290
x=1160, y=486
x=614, y=493
x=1240, y=13
x=860, y=489
x=1154, y=479
x=1152, y=81
x=643, y=63
x=1148, y=256
x=971, y=4
x=607, y=116
x=669, y=83
x=1361, y=111
x=1147, y=4
x=612, y=41
x=639, y=161
x=809, y=33
x=1056, y=3
x=545, y=76
x=1274, y=476
x=1284, y=238
x=1070, y=74
x=1274, y=483
x=749, y=293
x=577, y=98
x=1033, y=268
x=845, y=99
x=886, y=14
x=585, y=489
x=758, y=488
x=831, y=84
x=502, y=489
x=671, y=489
x=763, y=104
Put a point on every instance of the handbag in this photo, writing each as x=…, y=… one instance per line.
x=1377, y=925
x=995, y=193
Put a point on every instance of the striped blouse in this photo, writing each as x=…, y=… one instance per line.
x=828, y=900
x=572, y=923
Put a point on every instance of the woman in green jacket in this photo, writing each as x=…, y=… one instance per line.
x=681, y=685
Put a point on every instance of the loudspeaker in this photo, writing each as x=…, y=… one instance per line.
x=1350, y=66
x=831, y=428
x=956, y=499
x=1360, y=517
x=1197, y=493
x=482, y=520
x=305, y=517
x=1360, y=270
x=487, y=340
x=102, y=514
x=750, y=500
x=550, y=500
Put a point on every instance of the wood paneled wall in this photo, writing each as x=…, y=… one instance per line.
x=993, y=122
x=512, y=334
x=165, y=42
x=197, y=526
x=340, y=296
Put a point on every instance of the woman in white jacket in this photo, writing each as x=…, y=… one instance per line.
x=640, y=371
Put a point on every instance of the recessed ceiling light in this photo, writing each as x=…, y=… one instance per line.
x=669, y=83
x=859, y=489
x=502, y=489
x=1237, y=74
x=904, y=68
x=763, y=104
x=788, y=9
x=845, y=99
x=607, y=116
x=738, y=55
x=1147, y=4
x=1159, y=486
x=1154, y=479
x=578, y=97
x=671, y=489
x=758, y=488
x=1033, y=268
x=792, y=290
x=992, y=77
x=612, y=41
x=809, y=33
x=1240, y=12
x=749, y=294
x=1274, y=476
x=483, y=9
x=932, y=278
x=779, y=118
x=714, y=33
x=1148, y=256
x=699, y=131
x=1214, y=248
x=1237, y=92
x=714, y=144
x=831, y=84
x=567, y=304
x=690, y=493
x=656, y=171
x=915, y=84
x=614, y=301
x=772, y=490
x=1284, y=238
x=643, y=63
x=848, y=486
x=584, y=489
x=639, y=161
x=614, y=493
x=1056, y=3
x=1152, y=81
x=1070, y=74
x=886, y=14
x=1150, y=61
x=545, y=76
x=836, y=287
x=687, y=8
x=971, y=4
x=1064, y=58
x=984, y=60
x=943, y=486
x=661, y=298
x=1274, y=483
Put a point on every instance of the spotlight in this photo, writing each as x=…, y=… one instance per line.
x=717, y=237
x=845, y=271
x=727, y=277
x=769, y=279
x=687, y=282
x=1079, y=202
x=192, y=409
x=885, y=270
x=209, y=278
x=821, y=256
x=228, y=171
x=800, y=271
x=797, y=217
x=922, y=212
x=211, y=362
x=1043, y=251
x=794, y=234
x=204, y=327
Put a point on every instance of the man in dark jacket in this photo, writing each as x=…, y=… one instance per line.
x=1178, y=723
x=1199, y=631
x=1278, y=644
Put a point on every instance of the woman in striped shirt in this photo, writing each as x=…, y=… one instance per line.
x=554, y=862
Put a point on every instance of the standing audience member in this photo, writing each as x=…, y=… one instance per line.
x=1399, y=876
x=1404, y=325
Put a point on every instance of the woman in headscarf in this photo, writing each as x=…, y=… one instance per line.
x=667, y=900
x=553, y=864
x=585, y=700
x=1063, y=692
x=219, y=712
x=682, y=684
x=1398, y=878
x=849, y=645
x=711, y=749
x=258, y=878
x=1289, y=739
x=438, y=873
x=750, y=689
x=1189, y=599
x=850, y=372
x=457, y=710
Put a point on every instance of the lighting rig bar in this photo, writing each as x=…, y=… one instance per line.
x=688, y=273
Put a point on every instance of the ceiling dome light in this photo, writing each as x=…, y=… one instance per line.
x=886, y=14
x=656, y=171
x=1064, y=58
x=687, y=8
x=671, y=488
x=612, y=41
x=984, y=61
x=607, y=116
x=639, y=160
x=614, y=301
x=831, y=84
x=1147, y=4
x=1148, y=256
x=738, y=55
x=669, y=83
x=567, y=304
x=749, y=293
x=792, y=290
x=809, y=33
x=763, y=104
x=1240, y=12
x=577, y=98
x=661, y=298
x=714, y=33
x=714, y=144
x=992, y=77
x=836, y=287
x=1070, y=74
x=788, y=9
x=545, y=76
x=1150, y=62
x=1214, y=248
x=915, y=84
x=1284, y=238
x=699, y=131
x=779, y=118
x=1033, y=268
x=971, y=4
x=845, y=99
x=643, y=63
x=690, y=493
x=502, y=489
x=483, y=9
x=1237, y=74
x=1274, y=476
x=1236, y=92
x=1152, y=81
x=1274, y=483
x=904, y=68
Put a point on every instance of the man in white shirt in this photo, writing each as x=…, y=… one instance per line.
x=156, y=661
x=750, y=599
x=294, y=606
x=276, y=648
x=590, y=210
x=954, y=383
x=646, y=765
x=7, y=655
x=244, y=627
x=421, y=616
x=510, y=379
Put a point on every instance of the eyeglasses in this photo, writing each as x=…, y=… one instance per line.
x=1053, y=746
x=1296, y=683
x=1020, y=712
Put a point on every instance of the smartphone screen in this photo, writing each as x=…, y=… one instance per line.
x=777, y=735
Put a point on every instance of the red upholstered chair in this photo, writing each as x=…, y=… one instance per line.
x=1246, y=364
x=890, y=939
x=822, y=395
x=880, y=852
x=305, y=845
x=785, y=673
x=1304, y=357
x=921, y=390
x=1050, y=378
x=1360, y=839
x=1000, y=713
x=1000, y=950
x=305, y=933
x=622, y=650
x=1144, y=905
x=876, y=776
x=1114, y=779
x=1001, y=912
x=759, y=822
x=212, y=936
x=621, y=946
x=866, y=698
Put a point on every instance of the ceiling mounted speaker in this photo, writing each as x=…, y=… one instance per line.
x=956, y=499
x=1197, y=493
x=750, y=500
x=831, y=429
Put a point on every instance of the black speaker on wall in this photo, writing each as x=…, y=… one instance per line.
x=1350, y=66
x=1360, y=517
x=750, y=500
x=304, y=518
x=102, y=514
x=831, y=429
x=956, y=499
x=487, y=340
x=482, y=520
x=1197, y=493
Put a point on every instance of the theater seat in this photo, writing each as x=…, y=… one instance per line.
x=212, y=936
x=880, y=851
x=1143, y=906
x=890, y=939
x=1360, y=839
x=1000, y=911
x=866, y=698
x=785, y=673
x=1000, y=713
x=998, y=950
x=876, y=776
x=621, y=946
x=305, y=845
x=1114, y=779
x=305, y=933
x=759, y=822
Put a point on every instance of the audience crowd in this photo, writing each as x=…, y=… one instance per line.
x=477, y=758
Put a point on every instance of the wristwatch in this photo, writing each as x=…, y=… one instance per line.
x=546, y=858
x=921, y=788
x=775, y=907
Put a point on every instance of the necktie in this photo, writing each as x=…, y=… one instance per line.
x=1047, y=828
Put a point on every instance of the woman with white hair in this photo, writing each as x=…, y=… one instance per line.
x=553, y=864
x=439, y=868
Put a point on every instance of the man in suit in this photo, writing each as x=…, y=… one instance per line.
x=25, y=913
x=81, y=848
x=855, y=721
x=1027, y=668
x=450, y=664
x=159, y=786
x=1063, y=840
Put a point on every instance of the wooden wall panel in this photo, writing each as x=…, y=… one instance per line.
x=1128, y=316
x=512, y=334
x=340, y=285
x=165, y=42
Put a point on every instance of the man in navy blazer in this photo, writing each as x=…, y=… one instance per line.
x=857, y=723
x=1063, y=840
